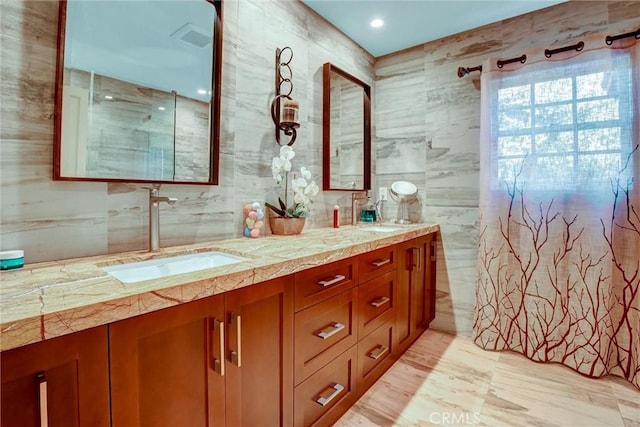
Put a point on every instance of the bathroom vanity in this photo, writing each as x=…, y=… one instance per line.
x=291, y=335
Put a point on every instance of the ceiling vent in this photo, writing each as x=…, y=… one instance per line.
x=192, y=35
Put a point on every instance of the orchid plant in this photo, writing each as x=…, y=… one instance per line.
x=303, y=187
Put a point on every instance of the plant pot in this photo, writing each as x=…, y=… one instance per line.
x=286, y=226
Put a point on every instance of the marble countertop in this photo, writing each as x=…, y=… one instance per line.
x=55, y=298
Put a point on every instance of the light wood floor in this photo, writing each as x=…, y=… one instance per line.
x=447, y=380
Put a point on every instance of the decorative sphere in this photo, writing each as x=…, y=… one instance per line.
x=255, y=232
x=250, y=222
x=253, y=215
x=256, y=205
x=247, y=232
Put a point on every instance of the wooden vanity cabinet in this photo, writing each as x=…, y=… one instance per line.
x=343, y=334
x=60, y=382
x=416, y=289
x=259, y=374
x=163, y=367
x=223, y=360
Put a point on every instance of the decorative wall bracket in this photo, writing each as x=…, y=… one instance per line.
x=284, y=109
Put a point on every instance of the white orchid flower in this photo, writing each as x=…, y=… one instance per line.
x=287, y=152
x=312, y=189
x=298, y=184
x=306, y=173
x=277, y=169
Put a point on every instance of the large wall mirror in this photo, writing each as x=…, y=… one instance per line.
x=346, y=120
x=138, y=91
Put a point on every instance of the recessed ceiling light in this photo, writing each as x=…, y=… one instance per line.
x=108, y=97
x=377, y=23
x=161, y=108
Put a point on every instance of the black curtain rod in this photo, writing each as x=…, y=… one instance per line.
x=577, y=47
x=463, y=71
x=502, y=63
x=610, y=39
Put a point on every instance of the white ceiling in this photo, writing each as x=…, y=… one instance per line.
x=412, y=22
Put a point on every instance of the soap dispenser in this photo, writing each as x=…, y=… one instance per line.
x=368, y=211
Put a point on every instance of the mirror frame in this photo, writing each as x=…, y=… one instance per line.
x=327, y=69
x=214, y=112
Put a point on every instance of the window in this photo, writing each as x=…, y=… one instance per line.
x=567, y=128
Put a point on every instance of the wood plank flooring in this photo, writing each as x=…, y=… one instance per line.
x=447, y=380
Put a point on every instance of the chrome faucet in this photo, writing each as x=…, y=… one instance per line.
x=154, y=216
x=355, y=197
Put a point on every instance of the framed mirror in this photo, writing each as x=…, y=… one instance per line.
x=346, y=131
x=138, y=91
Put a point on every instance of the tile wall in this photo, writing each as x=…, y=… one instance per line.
x=428, y=122
x=56, y=220
x=426, y=125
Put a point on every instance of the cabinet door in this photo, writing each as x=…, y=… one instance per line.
x=59, y=382
x=259, y=381
x=416, y=283
x=403, y=296
x=163, y=367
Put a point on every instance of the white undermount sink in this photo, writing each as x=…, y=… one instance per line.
x=163, y=267
x=380, y=228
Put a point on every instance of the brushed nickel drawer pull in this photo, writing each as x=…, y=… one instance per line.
x=379, y=352
x=329, y=394
x=331, y=280
x=330, y=330
x=218, y=362
x=380, y=301
x=236, y=356
x=415, y=259
x=42, y=398
x=381, y=262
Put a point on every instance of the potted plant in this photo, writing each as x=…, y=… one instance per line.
x=285, y=218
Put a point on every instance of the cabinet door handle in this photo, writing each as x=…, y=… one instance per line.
x=330, y=330
x=434, y=248
x=379, y=352
x=236, y=355
x=218, y=362
x=415, y=258
x=331, y=280
x=42, y=398
x=329, y=394
x=380, y=301
x=380, y=262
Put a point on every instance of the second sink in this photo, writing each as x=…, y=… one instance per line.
x=163, y=267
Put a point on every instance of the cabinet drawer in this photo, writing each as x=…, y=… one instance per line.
x=376, y=302
x=320, y=283
x=327, y=394
x=375, y=355
x=375, y=263
x=324, y=331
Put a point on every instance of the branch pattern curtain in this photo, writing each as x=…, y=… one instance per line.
x=559, y=248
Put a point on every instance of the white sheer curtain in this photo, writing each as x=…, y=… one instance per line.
x=559, y=249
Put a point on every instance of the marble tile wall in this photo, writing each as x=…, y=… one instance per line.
x=427, y=129
x=426, y=125
x=56, y=220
